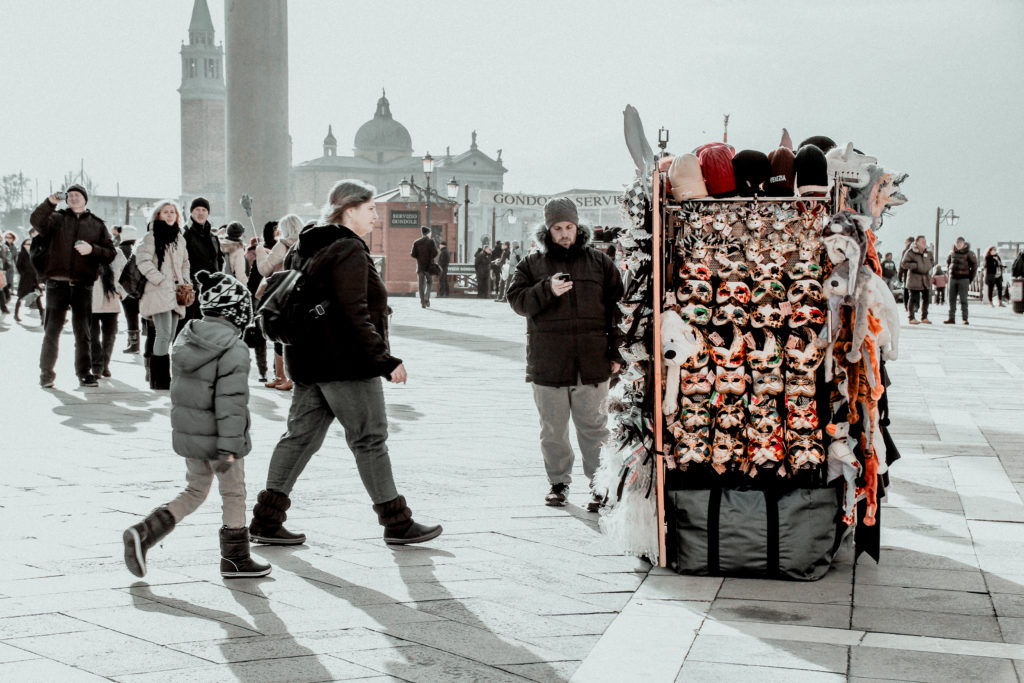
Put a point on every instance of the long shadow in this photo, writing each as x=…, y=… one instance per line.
x=107, y=409
x=417, y=577
x=232, y=648
x=467, y=341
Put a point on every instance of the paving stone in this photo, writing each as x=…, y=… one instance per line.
x=769, y=653
x=908, y=665
x=924, y=599
x=9, y=653
x=707, y=672
x=829, y=592
x=308, y=669
x=913, y=622
x=677, y=587
x=428, y=665
x=548, y=672
x=45, y=671
x=797, y=613
x=40, y=624
x=474, y=642
x=284, y=646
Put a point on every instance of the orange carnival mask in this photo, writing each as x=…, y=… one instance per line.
x=767, y=315
x=694, y=271
x=693, y=446
x=725, y=450
x=806, y=452
x=700, y=357
x=730, y=382
x=806, y=314
x=764, y=417
x=765, y=449
x=694, y=416
x=732, y=357
x=802, y=418
x=800, y=385
x=730, y=415
x=767, y=358
x=768, y=289
x=735, y=292
x=699, y=382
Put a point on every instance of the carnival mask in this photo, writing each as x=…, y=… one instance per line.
x=805, y=452
x=765, y=450
x=726, y=450
x=694, y=290
x=806, y=314
x=805, y=361
x=736, y=292
x=803, y=270
x=769, y=383
x=764, y=417
x=692, y=270
x=770, y=289
x=700, y=357
x=730, y=415
x=730, y=381
x=693, y=446
x=800, y=385
x=699, y=382
x=802, y=418
x=733, y=270
x=805, y=291
x=767, y=315
x=694, y=416
x=767, y=358
x=732, y=357
x=768, y=271
x=695, y=314
x=731, y=313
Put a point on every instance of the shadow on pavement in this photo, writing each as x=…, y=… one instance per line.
x=467, y=341
x=103, y=408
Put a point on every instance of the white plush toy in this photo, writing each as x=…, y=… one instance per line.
x=873, y=295
x=679, y=342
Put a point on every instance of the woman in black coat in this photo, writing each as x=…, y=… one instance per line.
x=337, y=368
x=28, y=281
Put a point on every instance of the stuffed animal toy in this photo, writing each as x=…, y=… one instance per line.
x=679, y=342
x=873, y=297
x=850, y=165
x=845, y=240
x=881, y=193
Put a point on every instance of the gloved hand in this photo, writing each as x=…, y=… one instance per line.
x=222, y=462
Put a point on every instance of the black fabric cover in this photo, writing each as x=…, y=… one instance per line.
x=738, y=532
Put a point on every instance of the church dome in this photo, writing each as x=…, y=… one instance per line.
x=382, y=133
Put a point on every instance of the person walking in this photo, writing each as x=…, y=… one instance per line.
x=162, y=258
x=10, y=250
x=889, y=269
x=512, y=257
x=424, y=251
x=284, y=237
x=482, y=265
x=107, y=295
x=497, y=259
x=337, y=371
x=29, y=287
x=994, y=276
x=7, y=266
x=917, y=263
x=233, y=249
x=209, y=427
x=444, y=259
x=901, y=275
x=962, y=266
x=130, y=304
x=568, y=292
x=203, y=249
x=939, y=281
x=77, y=243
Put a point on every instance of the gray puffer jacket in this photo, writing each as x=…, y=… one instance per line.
x=210, y=390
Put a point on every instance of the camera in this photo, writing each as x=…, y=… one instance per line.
x=61, y=195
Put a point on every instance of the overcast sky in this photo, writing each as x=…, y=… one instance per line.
x=931, y=87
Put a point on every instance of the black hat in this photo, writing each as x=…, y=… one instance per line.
x=560, y=209
x=197, y=202
x=81, y=190
x=224, y=296
x=811, y=170
x=235, y=232
x=822, y=142
x=751, y=169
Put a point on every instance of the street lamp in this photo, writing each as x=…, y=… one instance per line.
x=428, y=169
x=494, y=221
x=663, y=140
x=941, y=217
x=405, y=188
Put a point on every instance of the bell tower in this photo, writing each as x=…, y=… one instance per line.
x=203, y=99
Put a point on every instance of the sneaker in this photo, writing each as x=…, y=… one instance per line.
x=88, y=381
x=596, y=503
x=926, y=321
x=949, y=322
x=557, y=496
x=46, y=382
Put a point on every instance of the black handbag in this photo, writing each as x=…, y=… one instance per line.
x=132, y=279
x=434, y=269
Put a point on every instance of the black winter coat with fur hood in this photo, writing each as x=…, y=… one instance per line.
x=351, y=339
x=573, y=337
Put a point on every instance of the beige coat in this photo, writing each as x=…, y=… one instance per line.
x=101, y=301
x=234, y=259
x=160, y=294
x=270, y=262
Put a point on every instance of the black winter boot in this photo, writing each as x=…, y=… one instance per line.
x=399, y=527
x=133, y=342
x=261, y=363
x=268, y=516
x=235, y=562
x=141, y=537
x=160, y=373
x=17, y=310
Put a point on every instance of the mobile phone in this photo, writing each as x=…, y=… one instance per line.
x=61, y=195
x=564, y=277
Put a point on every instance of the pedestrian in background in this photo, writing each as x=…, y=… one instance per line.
x=107, y=294
x=337, y=371
x=10, y=251
x=162, y=258
x=962, y=265
x=77, y=242
x=568, y=292
x=994, y=276
x=939, y=282
x=203, y=249
x=482, y=266
x=232, y=247
x=444, y=259
x=130, y=305
x=209, y=427
x=424, y=251
x=901, y=274
x=889, y=269
x=917, y=263
x=29, y=287
x=284, y=236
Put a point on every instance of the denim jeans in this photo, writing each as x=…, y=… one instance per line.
x=103, y=331
x=958, y=286
x=359, y=406
x=425, y=282
x=585, y=404
x=60, y=296
x=164, y=326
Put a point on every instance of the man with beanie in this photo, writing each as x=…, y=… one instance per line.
x=962, y=266
x=78, y=242
x=203, y=250
x=424, y=251
x=568, y=292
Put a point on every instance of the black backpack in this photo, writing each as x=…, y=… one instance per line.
x=287, y=313
x=1017, y=270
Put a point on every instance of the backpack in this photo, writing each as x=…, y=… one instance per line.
x=1017, y=270
x=39, y=252
x=132, y=279
x=286, y=313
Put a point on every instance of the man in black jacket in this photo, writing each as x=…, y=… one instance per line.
x=203, y=251
x=78, y=242
x=962, y=265
x=424, y=251
x=443, y=259
x=568, y=293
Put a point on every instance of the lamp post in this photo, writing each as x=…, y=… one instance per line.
x=405, y=188
x=948, y=216
x=428, y=169
x=663, y=140
x=494, y=221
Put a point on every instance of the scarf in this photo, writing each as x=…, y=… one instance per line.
x=163, y=235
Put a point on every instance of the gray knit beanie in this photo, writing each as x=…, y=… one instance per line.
x=560, y=209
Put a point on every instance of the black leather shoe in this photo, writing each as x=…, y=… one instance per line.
x=88, y=381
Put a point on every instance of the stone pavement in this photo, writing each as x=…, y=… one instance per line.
x=513, y=590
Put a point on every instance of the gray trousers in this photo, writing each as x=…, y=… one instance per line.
x=359, y=406
x=958, y=287
x=585, y=403
x=199, y=475
x=425, y=281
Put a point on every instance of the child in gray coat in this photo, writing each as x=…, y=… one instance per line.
x=209, y=426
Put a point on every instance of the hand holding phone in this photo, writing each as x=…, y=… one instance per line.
x=560, y=283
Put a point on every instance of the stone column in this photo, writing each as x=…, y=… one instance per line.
x=258, y=146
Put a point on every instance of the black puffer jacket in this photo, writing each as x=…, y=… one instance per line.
x=962, y=263
x=574, y=336
x=62, y=229
x=351, y=339
x=203, y=249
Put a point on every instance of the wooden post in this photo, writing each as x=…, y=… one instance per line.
x=656, y=289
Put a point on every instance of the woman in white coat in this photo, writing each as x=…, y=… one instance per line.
x=163, y=260
x=107, y=293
